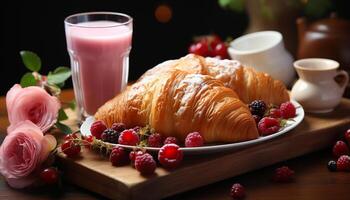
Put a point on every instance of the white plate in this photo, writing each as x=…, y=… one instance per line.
x=291, y=124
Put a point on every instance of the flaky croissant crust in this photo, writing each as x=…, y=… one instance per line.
x=176, y=103
x=195, y=94
x=248, y=83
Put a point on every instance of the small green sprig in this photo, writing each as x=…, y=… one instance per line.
x=144, y=133
x=52, y=83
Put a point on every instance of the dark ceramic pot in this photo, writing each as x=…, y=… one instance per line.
x=325, y=38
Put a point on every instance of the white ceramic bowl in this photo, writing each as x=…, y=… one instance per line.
x=265, y=52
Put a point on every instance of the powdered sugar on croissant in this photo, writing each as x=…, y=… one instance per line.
x=176, y=103
x=195, y=94
x=248, y=83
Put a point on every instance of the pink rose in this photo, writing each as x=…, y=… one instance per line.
x=23, y=151
x=32, y=103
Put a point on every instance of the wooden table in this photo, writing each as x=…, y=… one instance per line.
x=312, y=180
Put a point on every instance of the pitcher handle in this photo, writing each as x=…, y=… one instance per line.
x=342, y=78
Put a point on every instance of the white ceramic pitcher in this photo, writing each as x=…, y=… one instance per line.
x=321, y=86
x=265, y=52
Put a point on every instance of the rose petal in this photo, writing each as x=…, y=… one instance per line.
x=11, y=95
x=20, y=183
x=22, y=103
x=22, y=152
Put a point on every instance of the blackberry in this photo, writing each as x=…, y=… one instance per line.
x=110, y=135
x=332, y=166
x=258, y=107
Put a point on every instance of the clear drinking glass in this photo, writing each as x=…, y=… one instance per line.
x=98, y=44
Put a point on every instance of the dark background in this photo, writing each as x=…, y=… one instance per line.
x=38, y=26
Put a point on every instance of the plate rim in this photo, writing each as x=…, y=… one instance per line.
x=220, y=147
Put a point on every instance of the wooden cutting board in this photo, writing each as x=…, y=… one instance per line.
x=95, y=173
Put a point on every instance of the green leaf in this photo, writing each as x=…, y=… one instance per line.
x=28, y=80
x=64, y=128
x=60, y=85
x=224, y=3
x=31, y=60
x=59, y=76
x=62, y=115
x=72, y=105
x=235, y=5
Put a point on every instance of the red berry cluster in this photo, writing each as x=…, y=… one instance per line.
x=210, y=45
x=72, y=144
x=100, y=131
x=170, y=156
x=71, y=147
x=118, y=134
x=341, y=153
x=269, y=119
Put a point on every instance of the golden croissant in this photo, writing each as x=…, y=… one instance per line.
x=176, y=102
x=195, y=94
x=249, y=84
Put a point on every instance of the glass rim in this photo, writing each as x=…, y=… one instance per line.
x=129, y=19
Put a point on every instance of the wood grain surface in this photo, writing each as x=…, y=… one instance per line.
x=312, y=181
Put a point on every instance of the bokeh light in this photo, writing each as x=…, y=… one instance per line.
x=163, y=13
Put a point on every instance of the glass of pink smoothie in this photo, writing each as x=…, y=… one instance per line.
x=98, y=44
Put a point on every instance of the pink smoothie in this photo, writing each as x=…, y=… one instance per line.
x=98, y=51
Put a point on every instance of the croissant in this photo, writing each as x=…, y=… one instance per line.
x=177, y=102
x=249, y=84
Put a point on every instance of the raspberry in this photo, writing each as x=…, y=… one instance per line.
x=118, y=156
x=134, y=154
x=155, y=140
x=70, y=148
x=332, y=166
x=110, y=135
x=340, y=148
x=258, y=107
x=128, y=137
x=170, y=156
x=347, y=136
x=119, y=127
x=283, y=174
x=145, y=164
x=137, y=129
x=237, y=191
x=256, y=119
x=268, y=125
x=171, y=140
x=194, y=140
x=287, y=110
x=343, y=163
x=275, y=113
x=97, y=129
